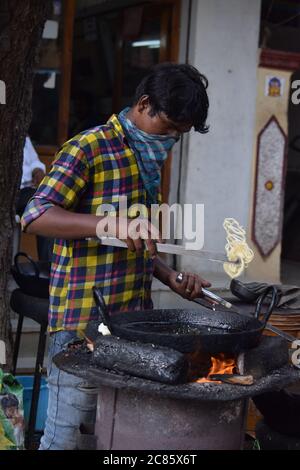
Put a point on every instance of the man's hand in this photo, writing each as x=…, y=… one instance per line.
x=190, y=287
x=139, y=231
x=135, y=232
x=37, y=176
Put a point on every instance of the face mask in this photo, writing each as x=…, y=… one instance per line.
x=151, y=151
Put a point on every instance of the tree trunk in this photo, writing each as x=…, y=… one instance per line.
x=20, y=36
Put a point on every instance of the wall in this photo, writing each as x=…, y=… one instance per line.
x=216, y=169
x=182, y=58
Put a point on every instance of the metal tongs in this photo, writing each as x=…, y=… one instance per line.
x=207, y=293
x=215, y=298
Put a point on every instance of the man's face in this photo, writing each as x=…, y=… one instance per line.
x=159, y=124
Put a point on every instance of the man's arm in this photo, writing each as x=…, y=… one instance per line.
x=57, y=222
x=191, y=286
x=59, y=193
x=162, y=271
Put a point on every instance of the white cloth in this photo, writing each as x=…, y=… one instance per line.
x=30, y=162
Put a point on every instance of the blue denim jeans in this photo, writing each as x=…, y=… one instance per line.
x=68, y=407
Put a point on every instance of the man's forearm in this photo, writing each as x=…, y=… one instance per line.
x=162, y=271
x=57, y=222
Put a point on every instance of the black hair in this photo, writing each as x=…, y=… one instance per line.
x=9, y=400
x=179, y=91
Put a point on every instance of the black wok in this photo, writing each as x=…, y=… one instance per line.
x=190, y=330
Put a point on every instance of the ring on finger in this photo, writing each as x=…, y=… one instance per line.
x=179, y=277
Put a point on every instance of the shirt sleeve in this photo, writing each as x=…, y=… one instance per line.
x=62, y=186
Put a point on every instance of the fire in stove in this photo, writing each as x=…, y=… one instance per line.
x=224, y=369
x=221, y=365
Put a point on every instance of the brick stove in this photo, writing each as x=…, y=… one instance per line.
x=135, y=413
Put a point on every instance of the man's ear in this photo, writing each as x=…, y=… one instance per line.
x=143, y=104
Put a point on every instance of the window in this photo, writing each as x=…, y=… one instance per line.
x=280, y=25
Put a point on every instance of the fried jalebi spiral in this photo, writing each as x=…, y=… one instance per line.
x=236, y=248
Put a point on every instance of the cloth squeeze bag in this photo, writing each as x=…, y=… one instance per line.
x=12, y=424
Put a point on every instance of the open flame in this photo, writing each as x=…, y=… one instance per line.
x=220, y=365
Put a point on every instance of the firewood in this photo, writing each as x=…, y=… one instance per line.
x=235, y=379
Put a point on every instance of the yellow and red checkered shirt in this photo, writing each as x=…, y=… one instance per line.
x=95, y=167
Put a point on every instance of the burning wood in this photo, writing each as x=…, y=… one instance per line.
x=224, y=369
x=220, y=365
x=235, y=379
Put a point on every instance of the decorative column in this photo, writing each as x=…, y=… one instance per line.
x=268, y=195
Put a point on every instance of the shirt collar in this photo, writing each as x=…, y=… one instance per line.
x=115, y=123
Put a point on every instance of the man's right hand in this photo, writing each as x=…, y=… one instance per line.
x=135, y=232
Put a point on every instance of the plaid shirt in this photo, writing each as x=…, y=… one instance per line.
x=93, y=168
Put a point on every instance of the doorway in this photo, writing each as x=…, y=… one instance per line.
x=280, y=45
x=290, y=255
x=113, y=50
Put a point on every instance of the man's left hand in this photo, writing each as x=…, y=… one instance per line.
x=190, y=287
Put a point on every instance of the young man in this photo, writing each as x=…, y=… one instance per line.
x=122, y=158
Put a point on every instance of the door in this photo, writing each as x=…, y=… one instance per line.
x=113, y=50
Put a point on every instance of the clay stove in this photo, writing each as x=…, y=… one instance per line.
x=135, y=413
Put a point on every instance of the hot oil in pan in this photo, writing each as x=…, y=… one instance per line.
x=180, y=329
